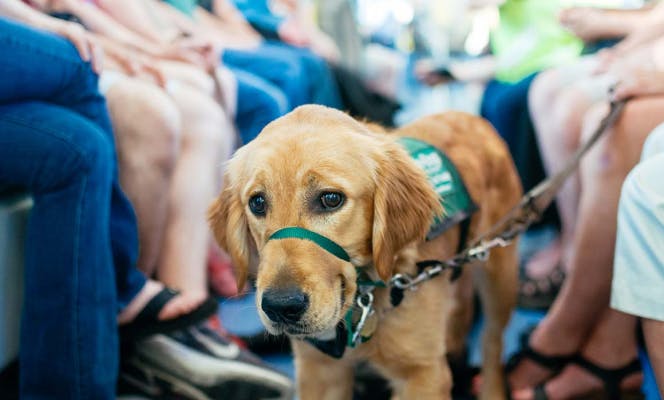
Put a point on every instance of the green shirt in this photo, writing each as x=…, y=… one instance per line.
x=530, y=38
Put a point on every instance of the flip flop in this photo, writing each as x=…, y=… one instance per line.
x=147, y=322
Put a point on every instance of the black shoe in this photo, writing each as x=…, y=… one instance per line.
x=196, y=363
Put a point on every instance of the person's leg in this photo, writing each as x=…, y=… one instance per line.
x=585, y=292
x=611, y=345
x=653, y=331
x=285, y=73
x=503, y=104
x=558, y=101
x=321, y=82
x=71, y=83
x=258, y=103
x=68, y=333
x=147, y=130
x=638, y=274
x=207, y=140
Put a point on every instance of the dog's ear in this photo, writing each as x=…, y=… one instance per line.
x=405, y=204
x=231, y=230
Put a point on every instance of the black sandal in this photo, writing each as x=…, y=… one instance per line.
x=611, y=379
x=555, y=364
x=147, y=322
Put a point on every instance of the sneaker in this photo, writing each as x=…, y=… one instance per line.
x=197, y=363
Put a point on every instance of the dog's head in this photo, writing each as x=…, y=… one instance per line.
x=318, y=169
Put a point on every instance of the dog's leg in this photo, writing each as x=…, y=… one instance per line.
x=320, y=377
x=461, y=317
x=497, y=286
x=428, y=382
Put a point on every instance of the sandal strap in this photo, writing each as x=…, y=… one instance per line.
x=155, y=305
x=611, y=377
x=553, y=363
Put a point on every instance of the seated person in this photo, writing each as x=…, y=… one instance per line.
x=637, y=276
x=596, y=353
x=81, y=246
x=560, y=97
x=546, y=35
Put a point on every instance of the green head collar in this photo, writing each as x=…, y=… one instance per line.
x=295, y=232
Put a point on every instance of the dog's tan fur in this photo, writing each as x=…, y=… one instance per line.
x=388, y=209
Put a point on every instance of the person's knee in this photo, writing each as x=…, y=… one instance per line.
x=147, y=124
x=92, y=156
x=568, y=112
x=206, y=124
x=544, y=88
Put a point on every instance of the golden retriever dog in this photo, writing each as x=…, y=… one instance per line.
x=321, y=170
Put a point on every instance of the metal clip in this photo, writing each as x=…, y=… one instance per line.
x=365, y=302
x=401, y=281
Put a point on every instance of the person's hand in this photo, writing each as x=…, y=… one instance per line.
x=79, y=37
x=292, y=32
x=193, y=50
x=639, y=82
x=135, y=64
x=604, y=58
x=584, y=22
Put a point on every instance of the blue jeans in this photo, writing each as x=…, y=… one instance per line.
x=301, y=75
x=56, y=143
x=258, y=103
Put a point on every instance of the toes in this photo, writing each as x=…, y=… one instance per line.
x=523, y=394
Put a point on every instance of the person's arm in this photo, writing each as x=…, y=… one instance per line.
x=102, y=23
x=643, y=75
x=16, y=10
x=142, y=17
x=590, y=24
x=651, y=28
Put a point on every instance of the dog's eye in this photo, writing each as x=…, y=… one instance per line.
x=331, y=200
x=258, y=205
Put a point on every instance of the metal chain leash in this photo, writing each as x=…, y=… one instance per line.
x=518, y=220
x=502, y=234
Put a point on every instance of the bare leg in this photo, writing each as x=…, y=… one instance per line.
x=147, y=130
x=557, y=111
x=585, y=293
x=654, y=333
x=611, y=345
x=206, y=143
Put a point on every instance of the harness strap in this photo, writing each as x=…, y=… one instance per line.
x=296, y=232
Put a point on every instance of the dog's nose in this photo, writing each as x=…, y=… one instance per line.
x=284, y=305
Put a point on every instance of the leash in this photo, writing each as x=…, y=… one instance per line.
x=357, y=327
x=528, y=211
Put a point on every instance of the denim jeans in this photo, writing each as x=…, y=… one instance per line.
x=258, y=103
x=56, y=143
x=301, y=75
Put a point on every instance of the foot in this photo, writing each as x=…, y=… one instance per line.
x=544, y=261
x=576, y=382
x=542, y=277
x=181, y=304
x=528, y=373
